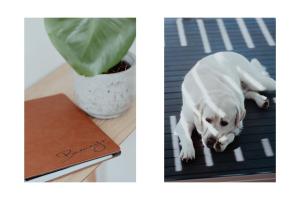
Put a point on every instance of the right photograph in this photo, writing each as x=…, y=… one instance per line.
x=220, y=100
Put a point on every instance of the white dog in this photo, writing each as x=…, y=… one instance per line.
x=213, y=93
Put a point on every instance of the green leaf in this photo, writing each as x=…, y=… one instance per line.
x=91, y=45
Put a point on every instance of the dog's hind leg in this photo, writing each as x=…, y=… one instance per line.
x=268, y=83
x=257, y=82
x=260, y=100
x=264, y=76
x=256, y=78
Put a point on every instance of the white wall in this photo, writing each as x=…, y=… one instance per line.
x=40, y=55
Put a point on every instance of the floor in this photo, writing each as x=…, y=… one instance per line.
x=188, y=40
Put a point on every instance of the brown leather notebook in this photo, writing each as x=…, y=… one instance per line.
x=60, y=138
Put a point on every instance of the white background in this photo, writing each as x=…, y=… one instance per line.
x=40, y=55
x=150, y=67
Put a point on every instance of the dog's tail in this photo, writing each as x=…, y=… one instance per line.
x=255, y=63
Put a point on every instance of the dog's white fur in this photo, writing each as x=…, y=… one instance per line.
x=214, y=90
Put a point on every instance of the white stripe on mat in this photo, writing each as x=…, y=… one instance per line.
x=265, y=31
x=208, y=158
x=181, y=32
x=245, y=33
x=224, y=35
x=175, y=144
x=267, y=147
x=238, y=154
x=204, y=37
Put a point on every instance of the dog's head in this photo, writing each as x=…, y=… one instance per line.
x=216, y=122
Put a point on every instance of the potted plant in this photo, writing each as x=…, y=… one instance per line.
x=97, y=49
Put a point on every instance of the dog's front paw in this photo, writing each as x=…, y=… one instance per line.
x=187, y=151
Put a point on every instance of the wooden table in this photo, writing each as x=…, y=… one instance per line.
x=61, y=81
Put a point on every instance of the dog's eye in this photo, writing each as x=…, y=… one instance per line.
x=208, y=120
x=224, y=123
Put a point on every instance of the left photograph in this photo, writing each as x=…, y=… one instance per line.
x=79, y=104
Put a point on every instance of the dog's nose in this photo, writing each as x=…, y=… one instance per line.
x=217, y=147
x=210, y=142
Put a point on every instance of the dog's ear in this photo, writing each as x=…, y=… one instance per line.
x=240, y=115
x=198, y=112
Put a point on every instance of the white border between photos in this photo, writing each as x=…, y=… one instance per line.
x=150, y=98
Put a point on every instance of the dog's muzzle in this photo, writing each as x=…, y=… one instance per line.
x=210, y=142
x=213, y=143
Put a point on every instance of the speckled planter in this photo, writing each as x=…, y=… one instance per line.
x=106, y=96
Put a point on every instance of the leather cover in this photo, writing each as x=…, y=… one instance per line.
x=59, y=135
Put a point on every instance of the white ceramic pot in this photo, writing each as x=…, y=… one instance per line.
x=106, y=95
